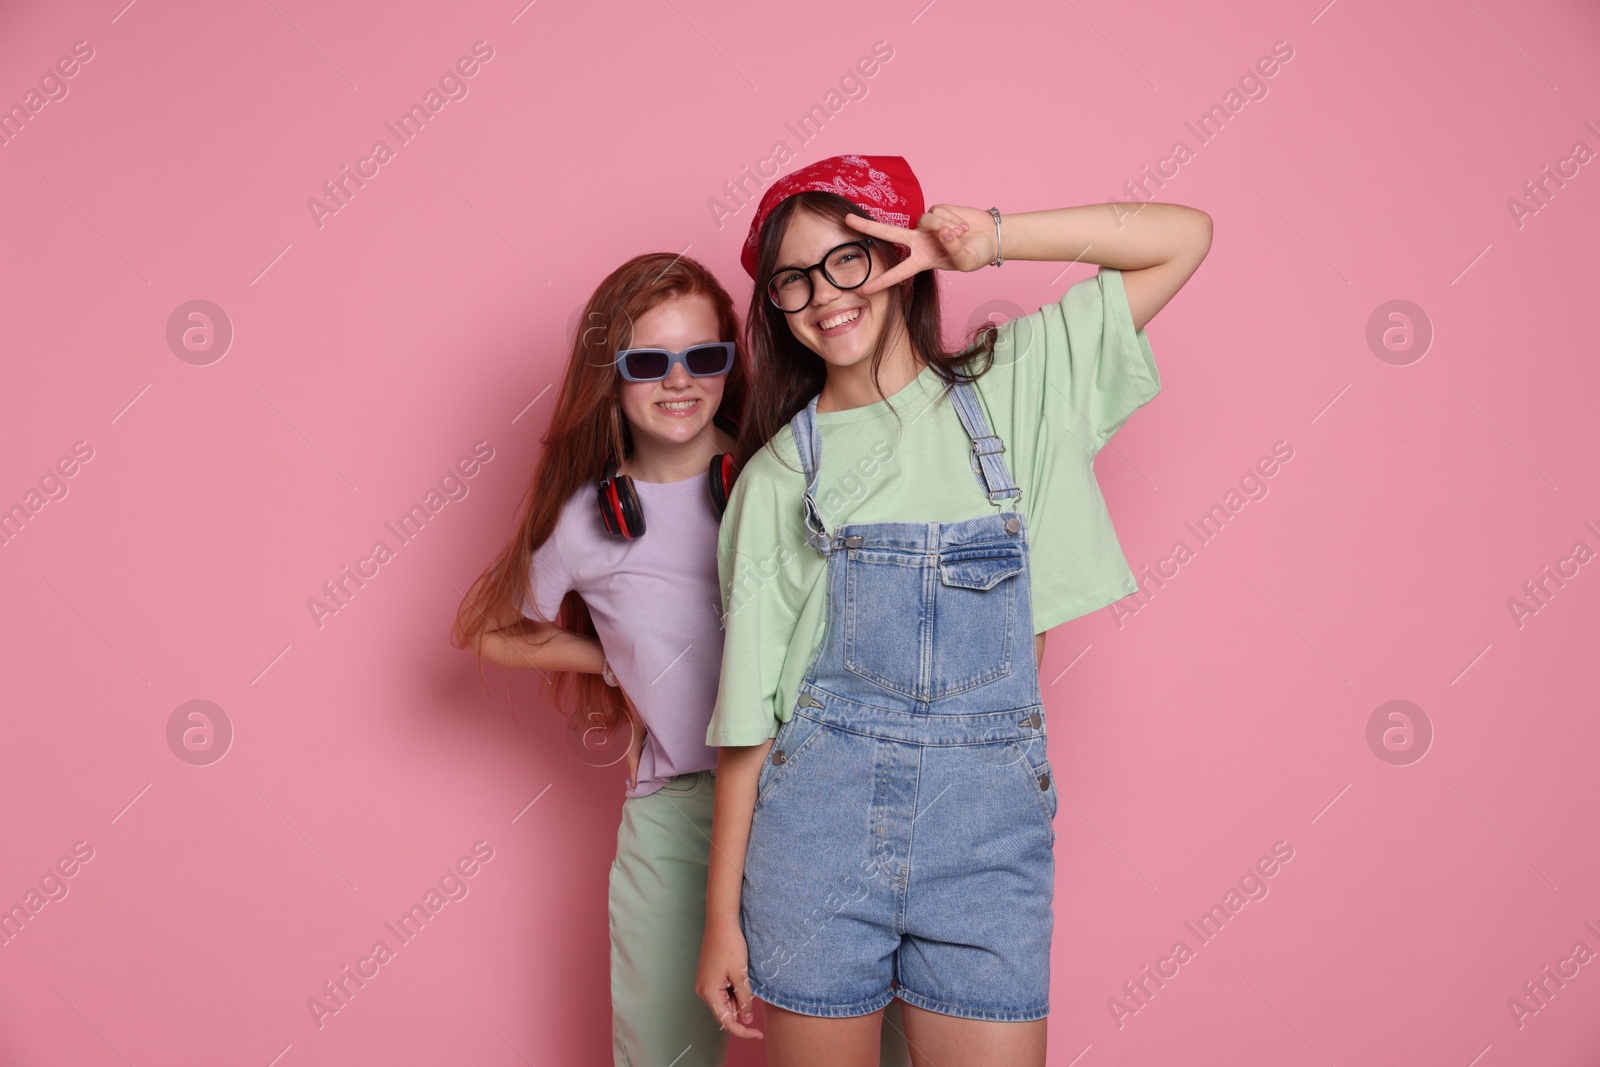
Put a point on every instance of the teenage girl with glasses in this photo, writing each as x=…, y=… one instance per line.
x=610, y=585
x=883, y=829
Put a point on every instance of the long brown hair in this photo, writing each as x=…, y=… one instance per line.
x=587, y=429
x=788, y=374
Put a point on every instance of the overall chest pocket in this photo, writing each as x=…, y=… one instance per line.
x=930, y=629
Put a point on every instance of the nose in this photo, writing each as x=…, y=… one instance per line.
x=822, y=290
x=678, y=378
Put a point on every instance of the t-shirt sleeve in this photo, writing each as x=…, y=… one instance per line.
x=760, y=610
x=549, y=582
x=1063, y=381
x=1077, y=364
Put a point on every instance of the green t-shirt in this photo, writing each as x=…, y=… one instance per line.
x=1064, y=379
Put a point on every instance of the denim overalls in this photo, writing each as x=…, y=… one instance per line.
x=902, y=840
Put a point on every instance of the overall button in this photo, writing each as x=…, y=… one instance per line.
x=778, y=756
x=1033, y=721
x=853, y=541
x=1012, y=525
x=1044, y=781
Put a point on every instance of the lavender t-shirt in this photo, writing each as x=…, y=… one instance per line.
x=657, y=607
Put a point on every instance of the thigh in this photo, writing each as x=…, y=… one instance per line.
x=817, y=909
x=795, y=1040
x=892, y=1040
x=657, y=918
x=663, y=855
x=946, y=1041
x=985, y=834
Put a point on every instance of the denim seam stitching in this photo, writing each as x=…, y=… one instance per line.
x=904, y=891
x=818, y=1009
x=918, y=1000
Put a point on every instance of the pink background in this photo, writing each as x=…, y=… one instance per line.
x=431, y=312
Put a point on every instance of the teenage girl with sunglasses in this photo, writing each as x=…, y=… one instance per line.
x=610, y=585
x=883, y=829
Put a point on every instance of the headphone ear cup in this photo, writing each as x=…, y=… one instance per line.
x=628, y=506
x=608, y=514
x=721, y=480
x=620, y=510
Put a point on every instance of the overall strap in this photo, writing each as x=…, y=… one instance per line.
x=809, y=444
x=986, y=447
x=990, y=468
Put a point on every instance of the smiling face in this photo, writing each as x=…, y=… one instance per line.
x=675, y=410
x=841, y=326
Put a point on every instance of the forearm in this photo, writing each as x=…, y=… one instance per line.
x=1107, y=234
x=548, y=649
x=737, y=772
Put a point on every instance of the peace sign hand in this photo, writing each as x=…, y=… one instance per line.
x=946, y=238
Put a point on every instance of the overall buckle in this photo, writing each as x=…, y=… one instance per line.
x=979, y=448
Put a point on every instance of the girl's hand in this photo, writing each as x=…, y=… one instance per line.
x=723, y=981
x=636, y=732
x=946, y=238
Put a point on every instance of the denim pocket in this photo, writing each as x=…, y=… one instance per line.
x=883, y=619
x=795, y=739
x=975, y=608
x=982, y=573
x=1031, y=761
x=893, y=614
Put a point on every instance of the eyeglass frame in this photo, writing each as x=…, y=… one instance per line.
x=674, y=358
x=863, y=242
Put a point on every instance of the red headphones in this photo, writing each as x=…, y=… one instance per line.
x=621, y=510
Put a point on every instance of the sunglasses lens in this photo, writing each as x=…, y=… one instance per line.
x=647, y=364
x=704, y=360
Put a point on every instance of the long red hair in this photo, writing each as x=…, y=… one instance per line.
x=587, y=429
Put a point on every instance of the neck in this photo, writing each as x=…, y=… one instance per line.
x=853, y=387
x=672, y=461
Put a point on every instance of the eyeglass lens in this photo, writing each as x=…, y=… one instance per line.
x=846, y=267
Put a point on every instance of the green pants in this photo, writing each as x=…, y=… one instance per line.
x=658, y=917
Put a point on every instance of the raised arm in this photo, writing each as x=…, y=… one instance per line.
x=1157, y=248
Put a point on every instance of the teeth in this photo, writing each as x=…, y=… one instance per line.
x=677, y=405
x=840, y=319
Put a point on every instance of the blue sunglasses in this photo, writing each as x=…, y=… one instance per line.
x=654, y=364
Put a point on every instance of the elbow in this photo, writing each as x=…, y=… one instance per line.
x=1195, y=242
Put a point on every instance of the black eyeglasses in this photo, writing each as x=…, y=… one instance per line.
x=846, y=267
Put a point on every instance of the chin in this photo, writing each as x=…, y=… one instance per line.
x=835, y=357
x=678, y=431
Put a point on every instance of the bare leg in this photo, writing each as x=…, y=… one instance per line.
x=946, y=1041
x=795, y=1040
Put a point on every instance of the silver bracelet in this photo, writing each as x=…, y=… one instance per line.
x=998, y=257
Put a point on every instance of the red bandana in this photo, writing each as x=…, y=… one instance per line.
x=882, y=186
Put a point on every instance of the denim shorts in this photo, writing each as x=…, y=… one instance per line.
x=902, y=842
